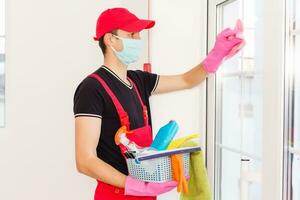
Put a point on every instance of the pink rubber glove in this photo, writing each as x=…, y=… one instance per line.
x=239, y=29
x=227, y=44
x=136, y=187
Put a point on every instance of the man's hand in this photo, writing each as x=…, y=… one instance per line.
x=227, y=44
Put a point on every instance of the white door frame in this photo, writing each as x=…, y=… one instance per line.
x=273, y=106
x=273, y=98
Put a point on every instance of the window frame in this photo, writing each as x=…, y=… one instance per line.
x=289, y=98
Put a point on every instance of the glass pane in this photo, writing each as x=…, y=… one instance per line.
x=232, y=65
x=228, y=20
x=248, y=11
x=230, y=176
x=297, y=13
x=239, y=104
x=295, y=190
x=230, y=12
x=2, y=45
x=248, y=51
x=296, y=136
x=252, y=115
x=239, y=81
x=254, y=187
x=231, y=99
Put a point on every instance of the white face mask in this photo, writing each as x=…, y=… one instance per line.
x=132, y=49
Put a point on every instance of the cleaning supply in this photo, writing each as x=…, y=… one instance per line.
x=177, y=142
x=227, y=44
x=156, y=166
x=164, y=136
x=198, y=185
x=141, y=136
x=136, y=187
x=130, y=148
x=178, y=173
x=177, y=163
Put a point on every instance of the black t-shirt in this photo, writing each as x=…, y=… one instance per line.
x=91, y=99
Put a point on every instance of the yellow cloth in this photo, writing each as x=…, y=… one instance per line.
x=198, y=184
x=178, y=142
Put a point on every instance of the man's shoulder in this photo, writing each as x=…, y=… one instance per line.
x=88, y=86
x=88, y=83
x=136, y=75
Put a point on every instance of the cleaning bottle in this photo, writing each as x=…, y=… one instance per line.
x=131, y=146
x=164, y=136
x=128, y=146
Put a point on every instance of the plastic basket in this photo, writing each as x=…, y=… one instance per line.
x=157, y=169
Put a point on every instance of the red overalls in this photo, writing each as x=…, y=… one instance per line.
x=141, y=136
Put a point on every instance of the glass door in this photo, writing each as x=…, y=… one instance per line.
x=244, y=109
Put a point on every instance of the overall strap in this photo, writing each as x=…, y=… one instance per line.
x=124, y=119
x=145, y=111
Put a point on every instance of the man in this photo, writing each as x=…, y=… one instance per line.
x=112, y=90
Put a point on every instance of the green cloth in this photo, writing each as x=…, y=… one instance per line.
x=198, y=184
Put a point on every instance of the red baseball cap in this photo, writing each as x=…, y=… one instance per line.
x=120, y=18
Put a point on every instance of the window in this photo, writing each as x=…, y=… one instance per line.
x=239, y=107
x=245, y=103
x=292, y=127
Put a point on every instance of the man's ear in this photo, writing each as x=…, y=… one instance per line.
x=108, y=39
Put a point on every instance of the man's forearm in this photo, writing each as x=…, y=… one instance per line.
x=195, y=76
x=98, y=169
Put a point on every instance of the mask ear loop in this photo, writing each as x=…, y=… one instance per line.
x=114, y=50
x=117, y=36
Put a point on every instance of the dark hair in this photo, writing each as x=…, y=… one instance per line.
x=101, y=41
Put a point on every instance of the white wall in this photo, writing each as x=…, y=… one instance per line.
x=49, y=51
x=178, y=43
